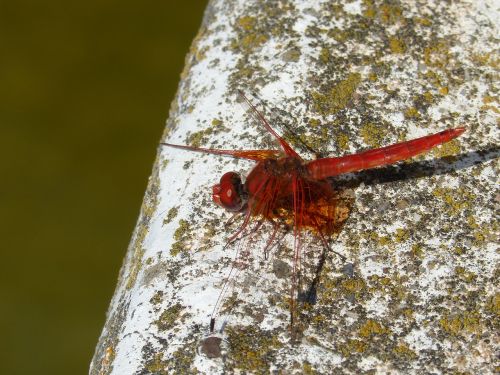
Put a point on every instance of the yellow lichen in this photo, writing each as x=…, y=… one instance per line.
x=372, y=328
x=157, y=298
x=247, y=23
x=250, y=348
x=252, y=41
x=157, y=365
x=412, y=113
x=397, y=45
x=169, y=317
x=405, y=351
x=493, y=304
x=491, y=59
x=465, y=275
x=136, y=266
x=195, y=54
x=181, y=236
x=448, y=149
x=423, y=21
x=390, y=14
x=314, y=122
x=324, y=55
x=352, y=346
x=373, y=134
x=171, y=214
x=307, y=369
x=428, y=97
x=401, y=235
x=456, y=200
x=465, y=322
x=353, y=285
x=380, y=240
x=337, y=97
x=417, y=251
x=444, y=90
x=437, y=55
x=342, y=141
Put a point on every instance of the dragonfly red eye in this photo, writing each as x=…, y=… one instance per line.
x=227, y=193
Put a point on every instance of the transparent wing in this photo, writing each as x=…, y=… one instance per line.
x=256, y=155
x=260, y=118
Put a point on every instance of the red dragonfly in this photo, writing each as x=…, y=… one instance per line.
x=286, y=190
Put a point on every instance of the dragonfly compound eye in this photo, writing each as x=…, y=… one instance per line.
x=227, y=193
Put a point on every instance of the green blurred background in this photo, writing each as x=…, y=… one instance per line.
x=85, y=89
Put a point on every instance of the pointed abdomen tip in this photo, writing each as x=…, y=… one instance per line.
x=458, y=131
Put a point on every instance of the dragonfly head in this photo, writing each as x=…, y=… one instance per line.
x=229, y=192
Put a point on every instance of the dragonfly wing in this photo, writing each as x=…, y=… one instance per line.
x=260, y=118
x=256, y=155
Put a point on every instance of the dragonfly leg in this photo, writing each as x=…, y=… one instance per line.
x=270, y=241
x=240, y=229
x=231, y=276
x=232, y=219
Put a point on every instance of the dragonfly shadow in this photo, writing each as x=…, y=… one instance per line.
x=388, y=174
x=419, y=169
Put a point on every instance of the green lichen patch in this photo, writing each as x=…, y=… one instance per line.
x=136, y=265
x=417, y=250
x=448, y=149
x=171, y=214
x=324, y=55
x=332, y=289
x=157, y=298
x=148, y=209
x=157, y=365
x=461, y=323
x=183, y=358
x=412, y=113
x=337, y=97
x=403, y=350
x=168, y=318
x=401, y=235
x=393, y=286
x=308, y=369
x=372, y=328
x=373, y=134
x=164, y=164
x=493, y=304
x=253, y=31
x=457, y=200
x=388, y=12
x=437, y=55
x=179, y=362
x=292, y=54
x=251, y=349
x=262, y=22
x=198, y=138
x=182, y=236
x=217, y=122
x=465, y=275
x=342, y=141
x=352, y=346
x=397, y=45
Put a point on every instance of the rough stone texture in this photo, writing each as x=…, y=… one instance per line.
x=418, y=293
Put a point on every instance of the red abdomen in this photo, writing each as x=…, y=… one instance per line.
x=329, y=167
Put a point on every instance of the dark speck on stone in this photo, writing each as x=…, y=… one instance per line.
x=351, y=298
x=348, y=270
x=211, y=347
x=281, y=269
